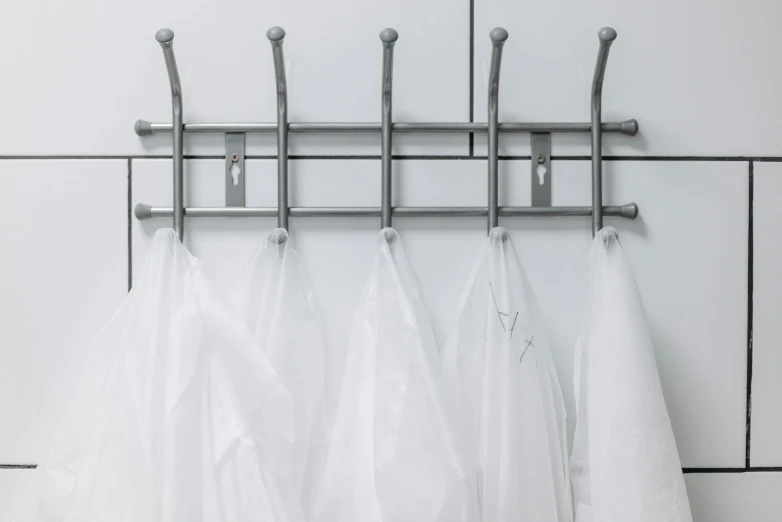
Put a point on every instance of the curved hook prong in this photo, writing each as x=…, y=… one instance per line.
x=607, y=35
x=388, y=37
x=498, y=37
x=276, y=35
x=165, y=38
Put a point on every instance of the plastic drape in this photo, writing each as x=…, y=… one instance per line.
x=498, y=364
x=394, y=456
x=175, y=418
x=275, y=298
x=624, y=466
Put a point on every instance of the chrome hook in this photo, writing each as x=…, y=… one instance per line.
x=388, y=37
x=166, y=39
x=276, y=35
x=498, y=37
x=607, y=35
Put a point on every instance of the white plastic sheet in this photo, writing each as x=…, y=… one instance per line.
x=625, y=465
x=175, y=418
x=497, y=362
x=394, y=456
x=275, y=298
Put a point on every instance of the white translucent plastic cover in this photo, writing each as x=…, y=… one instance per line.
x=624, y=465
x=394, y=455
x=275, y=297
x=498, y=365
x=175, y=419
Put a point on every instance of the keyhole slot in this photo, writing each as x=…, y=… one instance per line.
x=541, y=171
x=235, y=172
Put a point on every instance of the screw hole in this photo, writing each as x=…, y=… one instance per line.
x=235, y=173
x=541, y=171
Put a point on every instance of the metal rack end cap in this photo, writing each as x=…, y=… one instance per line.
x=142, y=211
x=389, y=36
x=607, y=34
x=143, y=128
x=165, y=37
x=498, y=35
x=630, y=211
x=630, y=127
x=275, y=34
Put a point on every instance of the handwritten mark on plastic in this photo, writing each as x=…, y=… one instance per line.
x=514, y=324
x=500, y=314
x=529, y=343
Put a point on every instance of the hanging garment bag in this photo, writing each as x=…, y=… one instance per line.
x=498, y=364
x=275, y=298
x=624, y=464
x=175, y=418
x=394, y=456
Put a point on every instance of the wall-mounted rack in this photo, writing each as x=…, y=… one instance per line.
x=540, y=141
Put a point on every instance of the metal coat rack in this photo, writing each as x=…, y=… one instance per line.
x=234, y=139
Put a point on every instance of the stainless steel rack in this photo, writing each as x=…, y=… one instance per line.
x=234, y=134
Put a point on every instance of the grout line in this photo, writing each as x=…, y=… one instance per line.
x=686, y=471
x=690, y=471
x=472, y=156
x=770, y=469
x=130, y=224
x=82, y=157
x=639, y=157
x=472, y=74
x=750, y=285
x=373, y=157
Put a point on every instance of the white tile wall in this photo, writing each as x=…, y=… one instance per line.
x=92, y=59
x=689, y=254
x=64, y=235
x=681, y=261
x=12, y=483
x=676, y=277
x=767, y=311
x=699, y=76
x=735, y=497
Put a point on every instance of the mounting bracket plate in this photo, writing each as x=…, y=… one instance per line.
x=234, y=169
x=541, y=169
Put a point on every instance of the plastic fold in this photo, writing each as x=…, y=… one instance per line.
x=498, y=365
x=176, y=418
x=275, y=298
x=394, y=455
x=624, y=465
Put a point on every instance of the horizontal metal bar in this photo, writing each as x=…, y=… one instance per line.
x=628, y=127
x=143, y=211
